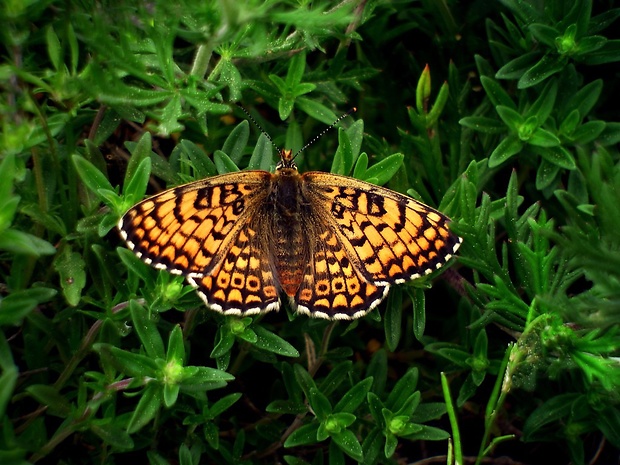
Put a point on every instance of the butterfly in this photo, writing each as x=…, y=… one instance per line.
x=332, y=244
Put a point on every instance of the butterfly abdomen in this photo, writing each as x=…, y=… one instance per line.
x=290, y=244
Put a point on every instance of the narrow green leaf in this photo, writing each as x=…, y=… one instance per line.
x=393, y=318
x=147, y=331
x=136, y=188
x=547, y=66
x=505, y=150
x=224, y=404
x=176, y=346
x=262, y=156
x=54, y=49
x=131, y=364
x=483, y=124
x=223, y=163
x=385, y=170
x=353, y=398
x=71, y=268
x=320, y=404
x=316, y=110
x=349, y=444
x=296, y=68
x=236, y=142
x=271, y=342
x=91, y=176
x=559, y=156
x=51, y=398
x=496, y=93
x=148, y=406
x=545, y=175
x=303, y=436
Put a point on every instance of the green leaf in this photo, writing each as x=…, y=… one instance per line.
x=147, y=331
x=296, y=69
x=349, y=444
x=114, y=436
x=131, y=364
x=18, y=242
x=353, y=398
x=320, y=404
x=54, y=49
x=224, y=404
x=136, y=187
x=71, y=268
x=419, y=311
x=170, y=115
x=588, y=132
x=361, y=166
x=236, y=142
x=543, y=105
x=483, y=124
x=545, y=175
x=543, y=138
x=343, y=158
x=135, y=265
x=92, y=177
x=516, y=68
x=303, y=436
x=207, y=376
x=316, y=110
x=148, y=406
x=559, y=156
x=202, y=164
x=8, y=378
x=176, y=347
x=171, y=394
x=405, y=386
x=385, y=170
x=51, y=398
x=496, y=94
x=262, y=156
x=513, y=119
x=273, y=343
x=223, y=163
x=552, y=410
x=231, y=76
x=393, y=318
x=506, y=149
x=547, y=66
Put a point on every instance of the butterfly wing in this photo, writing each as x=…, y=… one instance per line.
x=331, y=286
x=209, y=232
x=244, y=282
x=389, y=237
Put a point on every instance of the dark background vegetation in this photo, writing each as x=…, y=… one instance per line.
x=504, y=115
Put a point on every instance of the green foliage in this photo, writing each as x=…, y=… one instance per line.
x=105, y=359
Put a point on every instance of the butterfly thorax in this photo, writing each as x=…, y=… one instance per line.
x=288, y=236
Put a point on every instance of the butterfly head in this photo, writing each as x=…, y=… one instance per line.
x=286, y=160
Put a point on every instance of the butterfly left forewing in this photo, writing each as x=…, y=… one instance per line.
x=186, y=230
x=389, y=237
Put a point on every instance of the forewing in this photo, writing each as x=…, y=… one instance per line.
x=188, y=229
x=389, y=237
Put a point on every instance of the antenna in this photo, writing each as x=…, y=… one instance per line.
x=324, y=131
x=312, y=141
x=259, y=127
